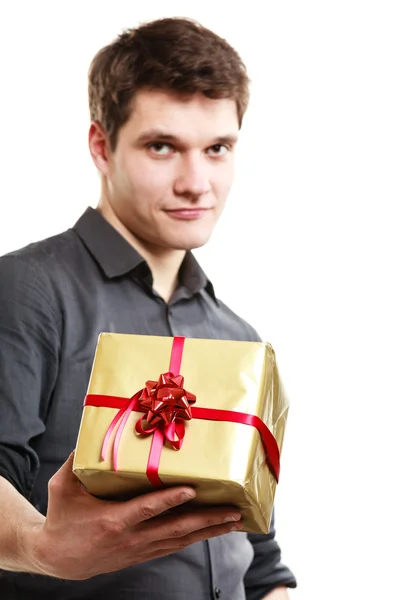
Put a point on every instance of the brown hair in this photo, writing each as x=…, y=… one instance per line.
x=172, y=54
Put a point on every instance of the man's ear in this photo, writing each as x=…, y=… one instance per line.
x=99, y=147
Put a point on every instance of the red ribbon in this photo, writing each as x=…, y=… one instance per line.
x=167, y=405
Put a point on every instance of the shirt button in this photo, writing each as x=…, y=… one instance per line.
x=217, y=592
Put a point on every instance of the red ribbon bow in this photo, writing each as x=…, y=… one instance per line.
x=167, y=404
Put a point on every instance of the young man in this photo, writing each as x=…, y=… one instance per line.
x=167, y=102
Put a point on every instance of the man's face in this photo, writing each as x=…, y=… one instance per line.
x=172, y=168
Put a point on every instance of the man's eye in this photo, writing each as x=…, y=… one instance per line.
x=160, y=148
x=218, y=150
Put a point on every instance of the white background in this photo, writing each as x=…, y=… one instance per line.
x=308, y=249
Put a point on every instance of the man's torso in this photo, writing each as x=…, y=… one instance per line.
x=89, y=298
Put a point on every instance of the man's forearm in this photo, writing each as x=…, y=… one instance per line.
x=17, y=518
x=278, y=594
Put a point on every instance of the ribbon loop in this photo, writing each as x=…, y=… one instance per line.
x=166, y=399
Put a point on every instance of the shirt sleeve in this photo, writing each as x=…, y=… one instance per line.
x=266, y=571
x=29, y=349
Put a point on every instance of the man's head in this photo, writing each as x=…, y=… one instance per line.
x=166, y=101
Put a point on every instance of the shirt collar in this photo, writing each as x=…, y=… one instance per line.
x=117, y=257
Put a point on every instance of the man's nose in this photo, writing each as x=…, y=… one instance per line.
x=193, y=177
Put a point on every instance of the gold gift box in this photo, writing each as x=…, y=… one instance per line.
x=225, y=462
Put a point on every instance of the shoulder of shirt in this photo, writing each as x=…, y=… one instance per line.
x=31, y=275
x=44, y=254
x=36, y=269
x=246, y=331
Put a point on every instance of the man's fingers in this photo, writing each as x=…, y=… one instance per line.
x=174, y=526
x=179, y=543
x=153, y=504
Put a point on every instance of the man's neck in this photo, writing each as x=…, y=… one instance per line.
x=164, y=264
x=165, y=270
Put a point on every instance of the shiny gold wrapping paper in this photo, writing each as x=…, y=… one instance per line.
x=224, y=462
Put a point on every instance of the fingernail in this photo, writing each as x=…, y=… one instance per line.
x=230, y=518
x=236, y=526
x=188, y=496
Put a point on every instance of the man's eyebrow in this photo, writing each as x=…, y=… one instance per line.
x=229, y=140
x=159, y=135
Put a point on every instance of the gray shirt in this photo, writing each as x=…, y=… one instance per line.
x=56, y=296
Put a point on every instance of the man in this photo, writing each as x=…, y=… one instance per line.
x=167, y=101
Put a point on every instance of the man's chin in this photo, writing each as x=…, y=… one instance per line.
x=192, y=243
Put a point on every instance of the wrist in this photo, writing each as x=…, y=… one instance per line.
x=34, y=551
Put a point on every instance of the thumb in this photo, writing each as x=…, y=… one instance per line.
x=65, y=475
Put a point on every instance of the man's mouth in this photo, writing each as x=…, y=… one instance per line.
x=187, y=213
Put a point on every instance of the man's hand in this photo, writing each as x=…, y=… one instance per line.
x=83, y=536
